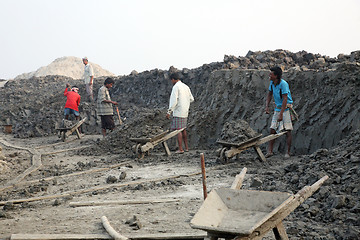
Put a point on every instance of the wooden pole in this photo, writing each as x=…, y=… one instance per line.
x=239, y=179
x=202, y=159
x=118, y=113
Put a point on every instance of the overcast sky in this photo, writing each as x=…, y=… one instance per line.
x=140, y=35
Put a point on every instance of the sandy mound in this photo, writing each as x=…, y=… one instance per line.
x=65, y=66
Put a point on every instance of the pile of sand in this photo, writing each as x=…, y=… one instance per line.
x=65, y=66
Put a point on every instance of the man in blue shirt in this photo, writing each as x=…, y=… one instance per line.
x=279, y=89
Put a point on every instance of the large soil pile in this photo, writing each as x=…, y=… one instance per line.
x=325, y=97
x=229, y=105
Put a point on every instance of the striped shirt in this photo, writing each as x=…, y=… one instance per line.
x=104, y=108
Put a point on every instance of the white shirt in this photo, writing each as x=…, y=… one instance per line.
x=180, y=100
x=88, y=72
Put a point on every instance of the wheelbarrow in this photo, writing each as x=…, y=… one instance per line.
x=229, y=150
x=248, y=214
x=144, y=145
x=65, y=132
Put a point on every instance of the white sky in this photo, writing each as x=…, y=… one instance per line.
x=140, y=35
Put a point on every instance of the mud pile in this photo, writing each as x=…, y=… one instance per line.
x=337, y=203
x=300, y=60
x=146, y=124
x=237, y=131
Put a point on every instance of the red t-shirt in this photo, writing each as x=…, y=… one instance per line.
x=73, y=100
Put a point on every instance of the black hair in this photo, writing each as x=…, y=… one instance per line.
x=74, y=87
x=175, y=76
x=277, y=71
x=108, y=81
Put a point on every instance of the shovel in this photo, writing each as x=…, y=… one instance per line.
x=118, y=113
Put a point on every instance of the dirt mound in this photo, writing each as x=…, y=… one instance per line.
x=65, y=66
x=147, y=123
x=336, y=204
x=35, y=106
x=237, y=131
x=288, y=60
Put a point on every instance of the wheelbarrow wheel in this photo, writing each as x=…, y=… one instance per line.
x=223, y=158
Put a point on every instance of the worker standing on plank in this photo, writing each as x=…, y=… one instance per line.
x=105, y=106
x=179, y=105
x=281, y=120
x=72, y=102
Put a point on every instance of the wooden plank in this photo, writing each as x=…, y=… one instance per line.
x=275, y=220
x=166, y=147
x=140, y=140
x=260, y=153
x=164, y=236
x=158, y=136
x=239, y=179
x=111, y=230
x=269, y=138
x=280, y=232
x=229, y=144
x=121, y=202
x=76, y=126
x=59, y=236
x=155, y=236
x=152, y=144
x=233, y=151
x=77, y=133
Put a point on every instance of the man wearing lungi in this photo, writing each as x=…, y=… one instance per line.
x=105, y=106
x=281, y=120
x=180, y=100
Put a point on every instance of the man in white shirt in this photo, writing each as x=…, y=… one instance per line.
x=88, y=78
x=179, y=105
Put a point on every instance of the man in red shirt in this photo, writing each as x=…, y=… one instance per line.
x=72, y=102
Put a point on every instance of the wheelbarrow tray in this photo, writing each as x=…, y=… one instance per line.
x=237, y=145
x=238, y=212
x=151, y=139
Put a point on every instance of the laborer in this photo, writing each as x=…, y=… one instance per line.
x=72, y=102
x=88, y=78
x=179, y=105
x=105, y=106
x=281, y=120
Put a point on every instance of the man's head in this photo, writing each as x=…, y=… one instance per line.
x=109, y=82
x=174, y=77
x=85, y=60
x=275, y=73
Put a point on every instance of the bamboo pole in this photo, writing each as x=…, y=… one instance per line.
x=121, y=202
x=202, y=160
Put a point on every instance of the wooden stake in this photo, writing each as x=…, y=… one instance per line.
x=202, y=159
x=239, y=179
x=118, y=113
